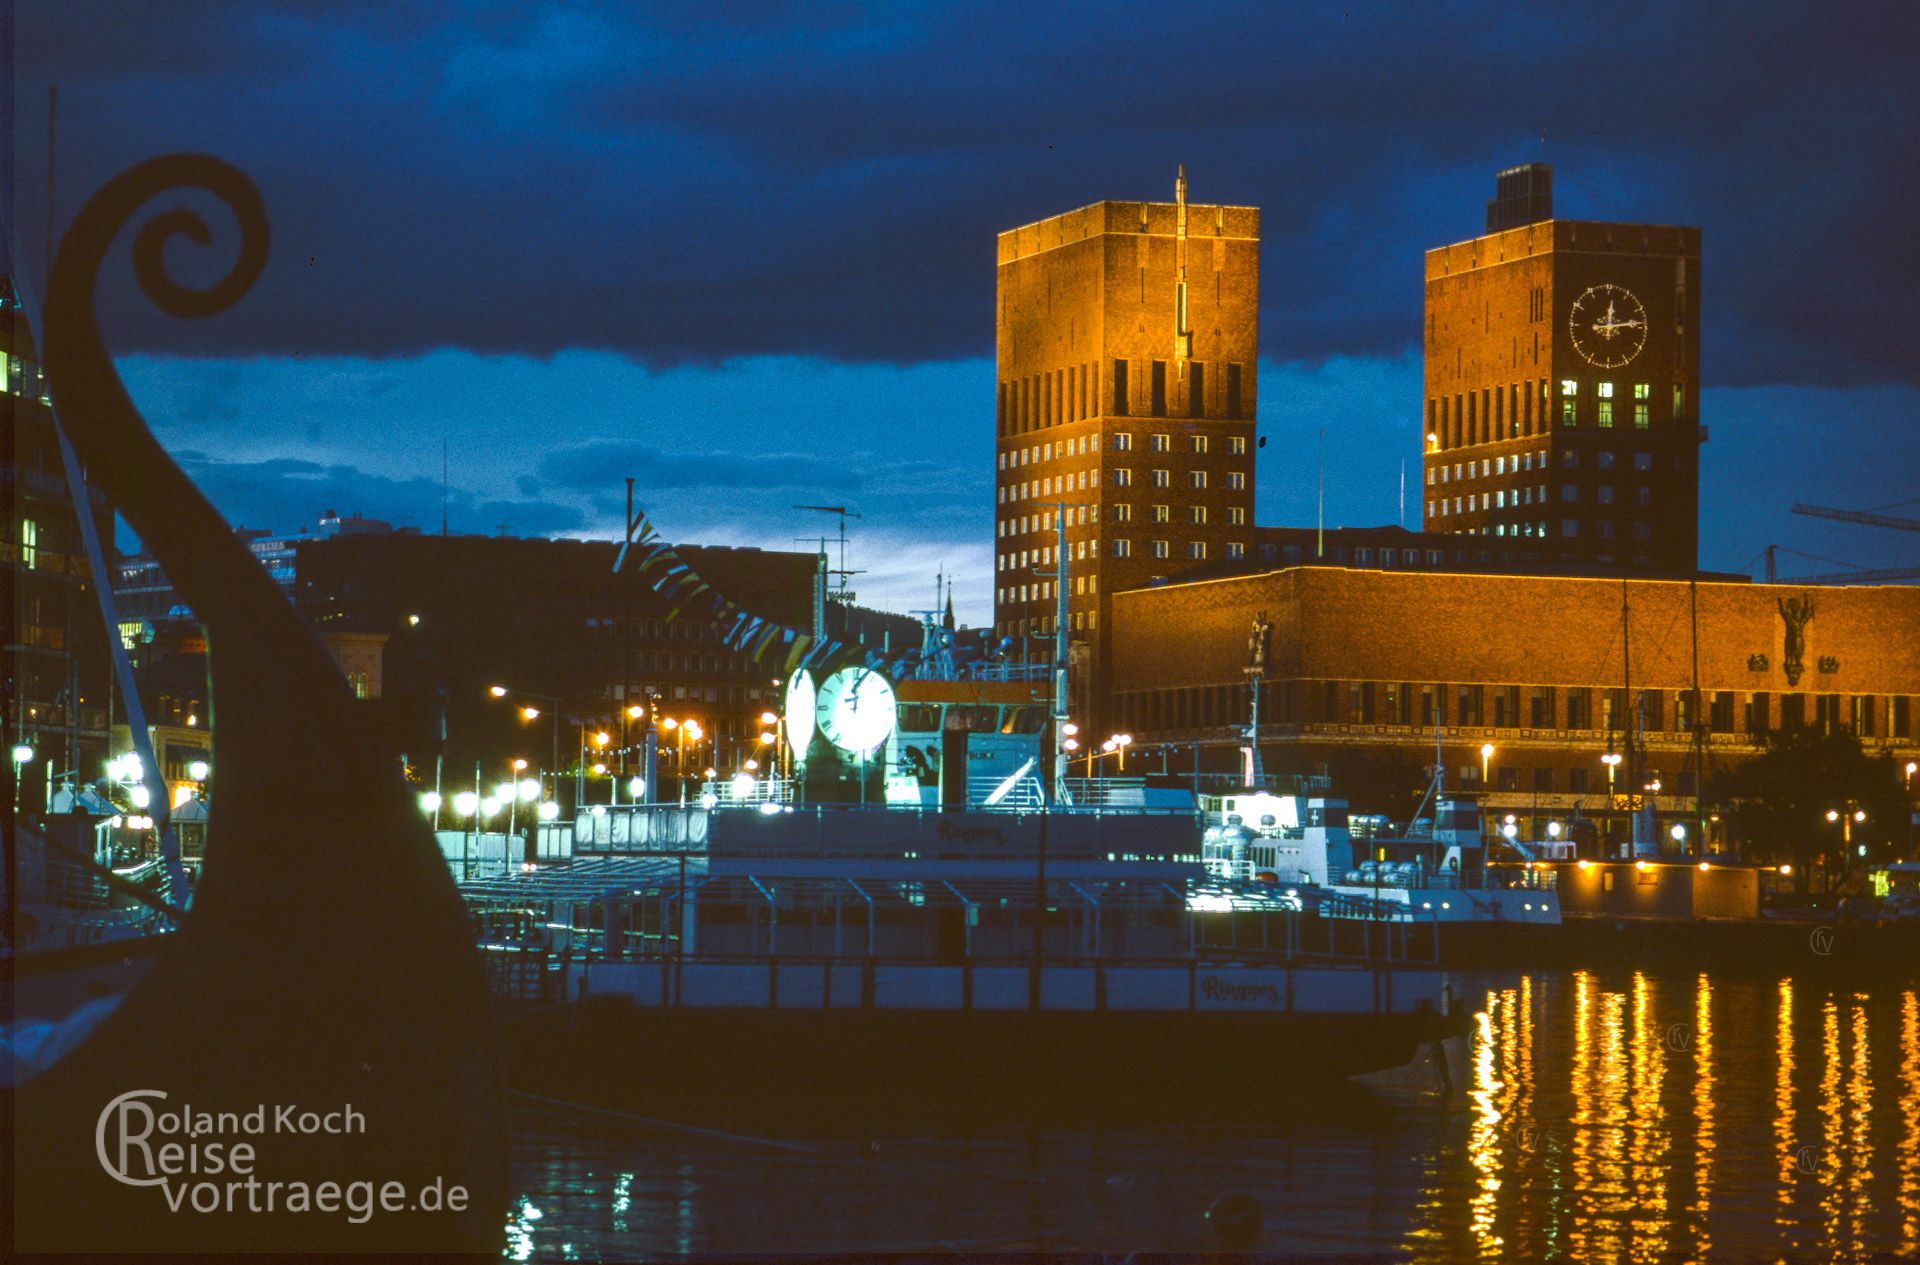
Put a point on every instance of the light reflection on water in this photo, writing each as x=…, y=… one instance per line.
x=1596, y=1116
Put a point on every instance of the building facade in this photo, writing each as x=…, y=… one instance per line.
x=1127, y=338
x=1562, y=385
x=1553, y=673
x=56, y=678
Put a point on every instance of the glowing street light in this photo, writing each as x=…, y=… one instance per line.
x=548, y=810
x=498, y=691
x=22, y=753
x=529, y=789
x=465, y=804
x=198, y=770
x=1486, y=754
x=430, y=802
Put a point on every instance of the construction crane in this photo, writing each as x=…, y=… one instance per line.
x=1847, y=577
x=1858, y=516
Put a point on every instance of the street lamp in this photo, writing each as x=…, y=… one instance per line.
x=530, y=714
x=1121, y=742
x=1612, y=760
x=1486, y=754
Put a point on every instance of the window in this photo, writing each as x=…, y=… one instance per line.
x=1197, y=443
x=1606, y=414
x=1543, y=781
x=1541, y=713
x=1604, y=459
x=29, y=544
x=1640, y=420
x=1577, y=785
x=1234, y=408
x=1567, y=413
x=1236, y=481
x=1120, y=387
x=1569, y=387
x=1569, y=528
x=1123, y=441
x=1159, y=388
x=1122, y=512
x=1604, y=390
x=1643, y=496
x=1121, y=548
x=1122, y=477
x=1569, y=459
x=1161, y=514
x=1237, y=445
x=1236, y=551
x=1509, y=778
x=1642, y=531
x=1159, y=442
x=1570, y=492
x=1197, y=514
x=1236, y=516
x=1196, y=551
x=1162, y=479
x=1604, y=494
x=1159, y=549
x=1643, y=461
x=1197, y=392
x=1199, y=478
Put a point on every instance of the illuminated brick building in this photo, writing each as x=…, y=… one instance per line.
x=1371, y=661
x=1127, y=345
x=1562, y=384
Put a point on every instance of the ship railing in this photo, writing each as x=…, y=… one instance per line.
x=669, y=912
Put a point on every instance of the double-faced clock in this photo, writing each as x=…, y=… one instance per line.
x=1608, y=326
x=856, y=709
x=801, y=701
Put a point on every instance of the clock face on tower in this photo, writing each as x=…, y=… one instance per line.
x=801, y=700
x=1608, y=325
x=855, y=710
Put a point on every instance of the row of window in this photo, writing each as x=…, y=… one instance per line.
x=1071, y=394
x=1502, y=498
x=1495, y=413
x=1083, y=480
x=1543, y=707
x=1082, y=445
x=22, y=377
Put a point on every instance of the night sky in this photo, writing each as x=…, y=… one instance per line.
x=745, y=252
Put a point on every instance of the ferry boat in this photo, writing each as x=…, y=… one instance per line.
x=968, y=955
x=1440, y=870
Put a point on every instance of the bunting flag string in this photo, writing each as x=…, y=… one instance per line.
x=655, y=562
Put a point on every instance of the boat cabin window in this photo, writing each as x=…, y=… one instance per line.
x=1465, y=817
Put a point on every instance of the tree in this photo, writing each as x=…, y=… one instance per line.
x=1776, y=803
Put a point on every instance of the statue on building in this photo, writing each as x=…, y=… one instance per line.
x=1795, y=612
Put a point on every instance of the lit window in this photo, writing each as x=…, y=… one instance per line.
x=1122, y=441
x=1122, y=513
x=1606, y=413
x=1197, y=443
x=1569, y=386
x=1236, y=551
x=1199, y=478
x=1605, y=390
x=1568, y=412
x=1196, y=551
x=1642, y=390
x=1236, y=481
x=1161, y=443
x=1161, y=514
x=1236, y=516
x=1640, y=419
x=1121, y=549
x=1122, y=477
x=1237, y=445
x=1162, y=479
x=29, y=544
x=1197, y=514
x=1160, y=549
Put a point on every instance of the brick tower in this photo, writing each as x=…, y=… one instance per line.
x=1127, y=339
x=1562, y=384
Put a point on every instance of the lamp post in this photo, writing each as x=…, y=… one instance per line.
x=1846, y=817
x=1612, y=760
x=530, y=714
x=1486, y=755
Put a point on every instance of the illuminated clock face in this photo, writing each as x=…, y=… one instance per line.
x=856, y=709
x=1608, y=325
x=801, y=699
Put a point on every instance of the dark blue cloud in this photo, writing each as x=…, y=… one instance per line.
x=589, y=466
x=686, y=186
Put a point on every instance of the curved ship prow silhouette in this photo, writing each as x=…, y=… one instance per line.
x=326, y=965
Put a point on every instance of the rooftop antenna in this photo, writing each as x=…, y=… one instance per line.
x=844, y=514
x=1320, y=518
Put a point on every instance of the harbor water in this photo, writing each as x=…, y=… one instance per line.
x=1593, y=1115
